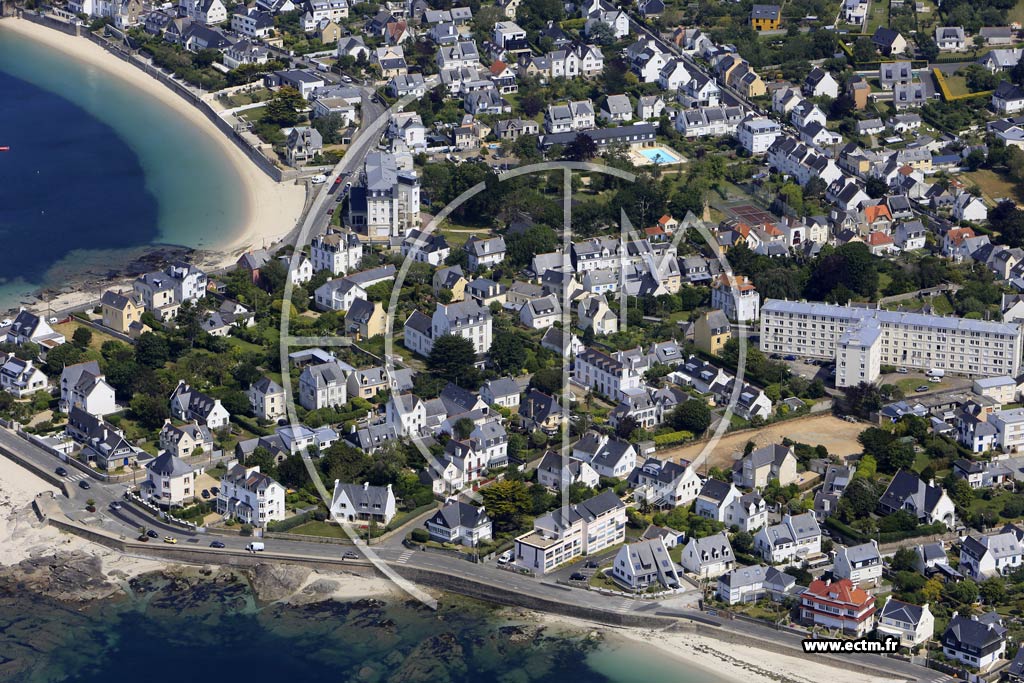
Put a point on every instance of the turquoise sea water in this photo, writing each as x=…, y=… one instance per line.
x=97, y=172
x=173, y=631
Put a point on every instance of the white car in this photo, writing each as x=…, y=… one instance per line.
x=504, y=558
x=52, y=321
x=318, y=179
x=6, y=322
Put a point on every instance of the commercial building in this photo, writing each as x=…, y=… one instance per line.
x=572, y=531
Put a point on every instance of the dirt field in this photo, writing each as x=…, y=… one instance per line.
x=838, y=436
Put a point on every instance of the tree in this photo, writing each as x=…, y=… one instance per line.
x=149, y=410
x=864, y=50
x=582, y=148
x=63, y=355
x=151, y=350
x=601, y=33
x=743, y=542
x=625, y=427
x=964, y=592
x=508, y=353
x=896, y=456
x=993, y=591
x=904, y=560
x=453, y=358
x=875, y=187
x=329, y=127
x=961, y=494
x=264, y=459
x=693, y=416
x=283, y=108
x=82, y=337
x=506, y=502
x=862, y=496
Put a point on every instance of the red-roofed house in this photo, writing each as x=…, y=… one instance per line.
x=878, y=217
x=838, y=605
x=668, y=224
x=879, y=243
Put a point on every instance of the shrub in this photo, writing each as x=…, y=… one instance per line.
x=420, y=535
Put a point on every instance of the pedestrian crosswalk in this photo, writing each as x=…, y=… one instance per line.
x=622, y=605
x=404, y=557
x=77, y=476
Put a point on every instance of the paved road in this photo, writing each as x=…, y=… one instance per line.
x=127, y=521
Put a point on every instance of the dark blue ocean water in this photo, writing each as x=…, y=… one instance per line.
x=181, y=630
x=68, y=182
x=97, y=172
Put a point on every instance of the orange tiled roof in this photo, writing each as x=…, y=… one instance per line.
x=877, y=239
x=842, y=591
x=873, y=213
x=958, y=235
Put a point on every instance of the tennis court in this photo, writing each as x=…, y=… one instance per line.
x=751, y=215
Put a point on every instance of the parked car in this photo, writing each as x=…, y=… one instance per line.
x=84, y=484
x=590, y=564
x=505, y=557
x=205, y=493
x=217, y=544
x=152, y=534
x=350, y=555
x=923, y=388
x=577, y=576
x=215, y=490
x=902, y=371
x=61, y=472
x=790, y=357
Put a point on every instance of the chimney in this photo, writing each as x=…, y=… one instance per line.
x=366, y=485
x=353, y=430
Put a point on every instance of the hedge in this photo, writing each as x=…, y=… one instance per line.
x=940, y=78
x=250, y=425
x=672, y=438
x=290, y=523
x=885, y=536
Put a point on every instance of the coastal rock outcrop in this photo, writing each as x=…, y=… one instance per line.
x=272, y=582
x=66, y=576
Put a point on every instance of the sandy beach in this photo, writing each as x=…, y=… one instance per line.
x=272, y=209
x=739, y=663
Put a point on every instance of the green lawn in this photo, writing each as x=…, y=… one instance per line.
x=242, y=345
x=992, y=184
x=254, y=114
x=315, y=528
x=1016, y=14
x=878, y=15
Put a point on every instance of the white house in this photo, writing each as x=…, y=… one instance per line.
x=83, y=385
x=912, y=624
x=362, y=503
x=250, y=496
x=795, y=538
x=641, y=565
x=860, y=563
x=266, y=398
x=169, y=481
x=708, y=557
x=188, y=404
x=460, y=523
x=987, y=556
x=323, y=385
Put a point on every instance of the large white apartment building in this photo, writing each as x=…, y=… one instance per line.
x=569, y=532
x=860, y=340
x=386, y=202
x=612, y=375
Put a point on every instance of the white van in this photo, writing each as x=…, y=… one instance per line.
x=319, y=179
x=933, y=373
x=255, y=547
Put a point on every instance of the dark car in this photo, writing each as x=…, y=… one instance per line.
x=61, y=472
x=152, y=534
x=217, y=544
x=84, y=484
x=115, y=506
x=205, y=493
x=590, y=564
x=215, y=490
x=789, y=358
x=923, y=388
x=576, y=576
x=349, y=555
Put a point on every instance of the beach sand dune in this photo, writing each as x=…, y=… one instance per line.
x=272, y=208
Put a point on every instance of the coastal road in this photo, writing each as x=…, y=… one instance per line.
x=126, y=522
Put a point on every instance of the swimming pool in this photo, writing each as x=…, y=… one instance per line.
x=660, y=155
